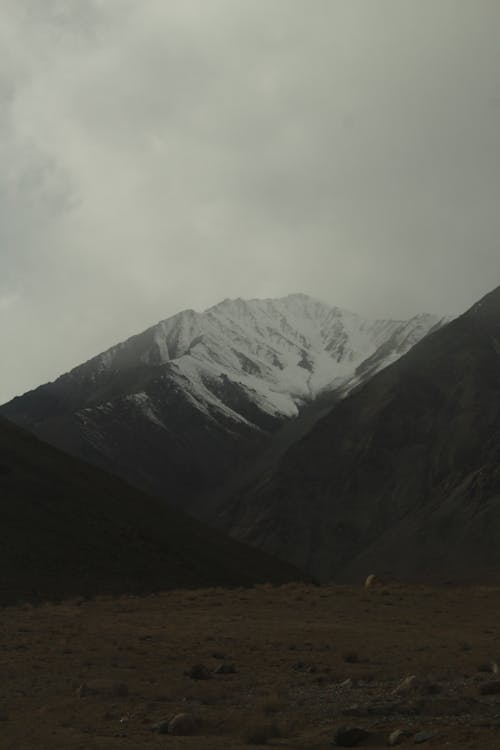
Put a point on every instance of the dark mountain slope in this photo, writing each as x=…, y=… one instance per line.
x=68, y=528
x=403, y=476
x=141, y=424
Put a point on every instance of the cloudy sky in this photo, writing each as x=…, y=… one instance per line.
x=163, y=154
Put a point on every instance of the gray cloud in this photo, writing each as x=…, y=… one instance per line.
x=156, y=156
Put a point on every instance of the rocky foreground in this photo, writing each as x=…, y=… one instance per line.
x=294, y=666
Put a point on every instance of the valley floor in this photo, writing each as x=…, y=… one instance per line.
x=308, y=660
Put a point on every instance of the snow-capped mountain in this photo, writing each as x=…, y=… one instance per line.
x=281, y=353
x=184, y=400
x=402, y=477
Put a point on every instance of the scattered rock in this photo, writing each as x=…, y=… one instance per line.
x=199, y=672
x=372, y=581
x=495, y=666
x=109, y=688
x=355, y=710
x=225, y=669
x=301, y=666
x=398, y=736
x=490, y=688
x=161, y=727
x=350, y=736
x=408, y=685
x=183, y=725
x=347, y=683
x=423, y=737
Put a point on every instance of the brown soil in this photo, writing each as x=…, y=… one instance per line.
x=292, y=647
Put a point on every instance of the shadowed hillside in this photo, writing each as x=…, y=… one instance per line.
x=69, y=528
x=403, y=476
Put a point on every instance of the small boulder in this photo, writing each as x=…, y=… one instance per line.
x=183, y=725
x=398, y=736
x=372, y=581
x=423, y=736
x=409, y=685
x=347, y=683
x=350, y=736
x=108, y=688
x=161, y=727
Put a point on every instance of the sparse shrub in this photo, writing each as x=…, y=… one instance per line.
x=351, y=657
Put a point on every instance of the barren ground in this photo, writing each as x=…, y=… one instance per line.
x=292, y=647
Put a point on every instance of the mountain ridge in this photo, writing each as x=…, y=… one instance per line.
x=185, y=403
x=401, y=476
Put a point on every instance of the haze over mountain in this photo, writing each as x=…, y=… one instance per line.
x=402, y=477
x=68, y=528
x=181, y=406
x=162, y=155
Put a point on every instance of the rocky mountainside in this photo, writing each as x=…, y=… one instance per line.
x=402, y=477
x=182, y=406
x=68, y=528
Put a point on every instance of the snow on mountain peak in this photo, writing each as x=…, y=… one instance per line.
x=280, y=353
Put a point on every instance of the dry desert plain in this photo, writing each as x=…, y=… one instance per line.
x=308, y=659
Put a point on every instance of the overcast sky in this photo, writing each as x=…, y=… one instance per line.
x=157, y=155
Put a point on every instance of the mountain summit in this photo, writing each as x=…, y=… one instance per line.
x=402, y=476
x=178, y=406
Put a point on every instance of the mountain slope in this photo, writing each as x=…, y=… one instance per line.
x=402, y=476
x=68, y=528
x=183, y=405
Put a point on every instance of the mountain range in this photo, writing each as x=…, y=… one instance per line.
x=184, y=406
x=340, y=445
